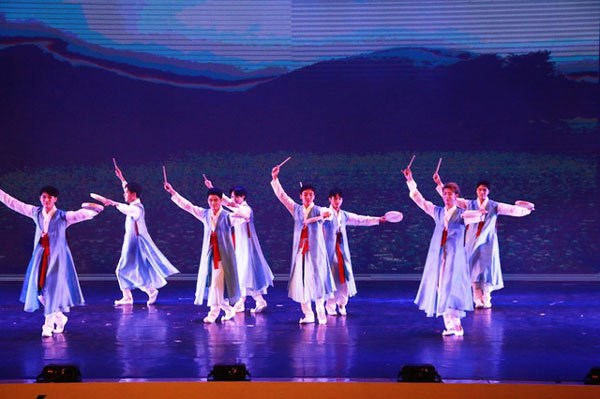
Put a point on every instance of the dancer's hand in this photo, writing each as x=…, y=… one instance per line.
x=119, y=174
x=207, y=182
x=109, y=202
x=275, y=172
x=169, y=188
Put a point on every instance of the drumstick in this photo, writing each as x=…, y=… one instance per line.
x=284, y=162
x=115, y=163
x=165, y=173
x=411, y=161
x=438, y=166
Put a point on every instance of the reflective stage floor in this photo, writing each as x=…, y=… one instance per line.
x=545, y=332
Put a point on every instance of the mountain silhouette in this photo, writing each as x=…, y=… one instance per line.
x=396, y=99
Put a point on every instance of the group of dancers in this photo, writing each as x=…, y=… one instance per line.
x=461, y=270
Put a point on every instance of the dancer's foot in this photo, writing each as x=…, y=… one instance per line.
x=260, y=306
x=152, y=295
x=60, y=322
x=239, y=306
x=308, y=318
x=123, y=301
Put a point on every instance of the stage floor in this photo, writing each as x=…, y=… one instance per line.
x=536, y=332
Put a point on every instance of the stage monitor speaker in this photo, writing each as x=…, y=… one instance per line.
x=418, y=373
x=229, y=372
x=59, y=373
x=593, y=377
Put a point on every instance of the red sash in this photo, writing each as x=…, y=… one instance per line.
x=45, y=243
x=214, y=244
x=479, y=228
x=340, y=258
x=304, y=240
x=444, y=236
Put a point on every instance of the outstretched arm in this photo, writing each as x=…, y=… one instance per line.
x=512, y=210
x=361, y=220
x=126, y=209
x=80, y=215
x=16, y=205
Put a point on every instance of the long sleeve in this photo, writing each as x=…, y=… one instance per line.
x=360, y=220
x=16, y=205
x=187, y=206
x=282, y=196
x=512, y=210
x=440, y=189
x=228, y=201
x=473, y=216
x=240, y=215
x=417, y=197
x=130, y=210
x=79, y=216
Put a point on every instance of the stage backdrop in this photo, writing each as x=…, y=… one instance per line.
x=505, y=91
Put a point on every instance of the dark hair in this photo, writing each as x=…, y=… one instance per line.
x=134, y=188
x=50, y=190
x=214, y=191
x=483, y=183
x=305, y=187
x=238, y=191
x=452, y=186
x=335, y=191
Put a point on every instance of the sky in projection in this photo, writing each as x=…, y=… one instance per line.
x=275, y=34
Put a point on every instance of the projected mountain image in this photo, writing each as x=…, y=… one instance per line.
x=394, y=99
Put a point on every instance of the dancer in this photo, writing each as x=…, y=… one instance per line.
x=141, y=264
x=51, y=279
x=254, y=273
x=338, y=251
x=218, y=267
x=310, y=275
x=481, y=241
x=445, y=285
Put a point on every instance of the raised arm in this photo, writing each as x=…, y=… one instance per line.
x=416, y=196
x=280, y=193
x=119, y=174
x=184, y=203
x=16, y=205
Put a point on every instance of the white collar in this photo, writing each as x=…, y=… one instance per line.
x=49, y=213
